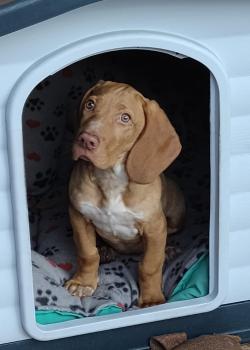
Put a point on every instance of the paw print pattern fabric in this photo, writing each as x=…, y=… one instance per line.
x=43, y=130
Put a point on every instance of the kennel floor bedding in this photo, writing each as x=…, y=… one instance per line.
x=185, y=271
x=47, y=141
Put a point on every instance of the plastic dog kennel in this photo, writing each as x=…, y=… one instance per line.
x=216, y=37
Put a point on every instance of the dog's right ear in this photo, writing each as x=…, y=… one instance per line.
x=156, y=148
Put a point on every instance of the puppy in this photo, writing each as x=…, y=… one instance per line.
x=123, y=143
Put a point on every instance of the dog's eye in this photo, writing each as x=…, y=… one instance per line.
x=125, y=118
x=90, y=105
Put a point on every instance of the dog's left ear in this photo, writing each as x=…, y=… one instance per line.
x=156, y=148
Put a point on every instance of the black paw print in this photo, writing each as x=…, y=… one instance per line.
x=34, y=104
x=50, y=133
x=134, y=293
x=46, y=298
x=50, y=251
x=120, y=284
x=35, y=265
x=42, y=85
x=52, y=282
x=76, y=308
x=175, y=270
x=89, y=75
x=75, y=92
x=44, y=179
x=59, y=110
x=119, y=274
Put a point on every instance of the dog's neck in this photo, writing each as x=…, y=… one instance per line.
x=112, y=181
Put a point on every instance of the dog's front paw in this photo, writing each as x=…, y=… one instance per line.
x=151, y=299
x=76, y=288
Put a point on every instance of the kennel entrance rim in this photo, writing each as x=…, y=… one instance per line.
x=48, y=65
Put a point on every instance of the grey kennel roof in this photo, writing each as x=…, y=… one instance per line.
x=18, y=14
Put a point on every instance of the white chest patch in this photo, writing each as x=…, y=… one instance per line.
x=113, y=219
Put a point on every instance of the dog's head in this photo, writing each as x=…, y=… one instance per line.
x=117, y=124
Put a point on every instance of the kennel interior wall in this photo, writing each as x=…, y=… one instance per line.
x=217, y=36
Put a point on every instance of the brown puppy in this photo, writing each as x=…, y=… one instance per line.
x=126, y=141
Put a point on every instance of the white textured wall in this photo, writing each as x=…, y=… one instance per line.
x=9, y=306
x=213, y=25
x=239, y=236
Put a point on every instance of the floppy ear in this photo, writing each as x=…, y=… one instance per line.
x=156, y=148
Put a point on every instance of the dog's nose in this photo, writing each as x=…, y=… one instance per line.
x=88, y=141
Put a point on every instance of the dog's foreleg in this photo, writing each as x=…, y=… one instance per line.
x=85, y=280
x=150, y=268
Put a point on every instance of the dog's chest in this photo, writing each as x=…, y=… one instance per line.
x=112, y=218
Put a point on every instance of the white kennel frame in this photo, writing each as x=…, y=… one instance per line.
x=21, y=70
x=43, y=68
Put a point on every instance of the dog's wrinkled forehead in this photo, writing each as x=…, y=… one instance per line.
x=112, y=92
x=109, y=87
